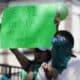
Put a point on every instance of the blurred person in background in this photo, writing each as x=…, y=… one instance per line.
x=31, y=67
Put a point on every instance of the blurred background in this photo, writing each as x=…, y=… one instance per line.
x=72, y=24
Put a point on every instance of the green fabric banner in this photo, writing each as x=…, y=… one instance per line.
x=28, y=26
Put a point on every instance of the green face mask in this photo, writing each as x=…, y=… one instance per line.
x=61, y=54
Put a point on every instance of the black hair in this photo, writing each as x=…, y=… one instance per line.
x=68, y=35
x=47, y=51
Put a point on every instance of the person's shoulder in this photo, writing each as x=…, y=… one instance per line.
x=72, y=70
x=74, y=60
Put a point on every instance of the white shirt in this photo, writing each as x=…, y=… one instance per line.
x=72, y=72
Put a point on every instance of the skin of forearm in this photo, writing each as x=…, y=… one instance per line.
x=25, y=63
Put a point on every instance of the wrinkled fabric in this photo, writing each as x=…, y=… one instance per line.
x=72, y=72
x=28, y=26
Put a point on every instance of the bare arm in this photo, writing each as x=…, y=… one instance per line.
x=57, y=21
x=25, y=63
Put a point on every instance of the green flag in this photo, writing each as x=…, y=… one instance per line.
x=28, y=26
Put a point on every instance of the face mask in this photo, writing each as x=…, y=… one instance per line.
x=60, y=53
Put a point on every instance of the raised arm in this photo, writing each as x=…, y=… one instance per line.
x=57, y=20
x=25, y=63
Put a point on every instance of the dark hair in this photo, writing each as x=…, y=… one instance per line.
x=68, y=35
x=47, y=51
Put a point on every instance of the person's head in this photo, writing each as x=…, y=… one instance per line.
x=63, y=43
x=42, y=55
x=63, y=37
